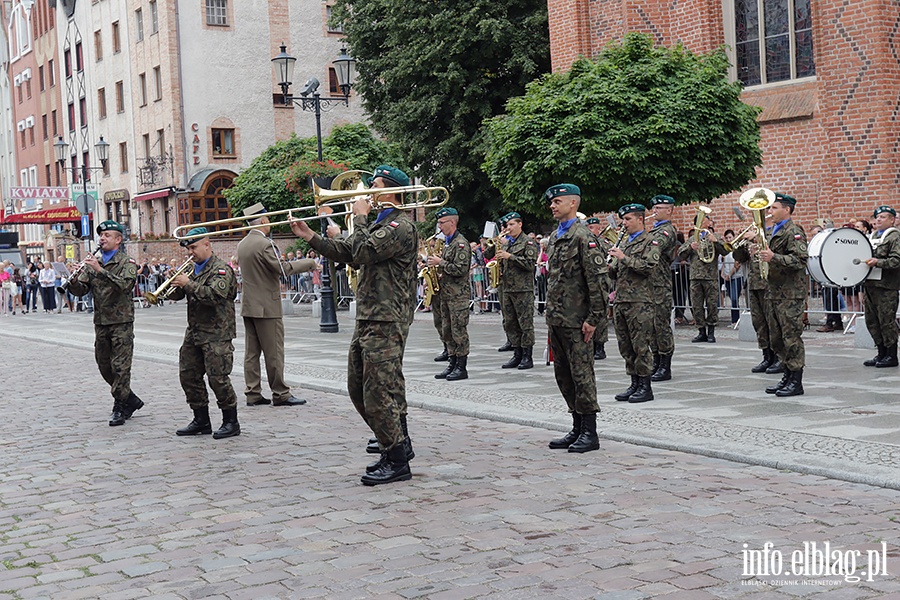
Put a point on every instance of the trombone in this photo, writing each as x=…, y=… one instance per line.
x=165, y=289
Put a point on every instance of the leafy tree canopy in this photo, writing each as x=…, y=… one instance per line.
x=431, y=72
x=636, y=122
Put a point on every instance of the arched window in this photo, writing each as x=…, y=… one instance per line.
x=209, y=204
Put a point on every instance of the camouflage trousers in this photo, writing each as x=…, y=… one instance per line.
x=518, y=317
x=758, y=317
x=634, y=328
x=662, y=341
x=375, y=377
x=454, y=325
x=785, y=317
x=573, y=366
x=881, y=315
x=113, y=351
x=705, y=302
x=213, y=359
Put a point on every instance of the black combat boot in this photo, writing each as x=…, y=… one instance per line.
x=794, y=386
x=200, y=425
x=132, y=404
x=773, y=389
x=700, y=337
x=664, y=372
x=459, y=371
x=711, y=334
x=442, y=356
x=372, y=447
x=882, y=352
x=568, y=439
x=451, y=365
x=768, y=359
x=624, y=396
x=643, y=393
x=655, y=362
x=599, y=350
x=514, y=360
x=889, y=360
x=527, y=360
x=230, y=426
x=776, y=367
x=117, y=417
x=407, y=446
x=394, y=467
x=587, y=439
x=506, y=347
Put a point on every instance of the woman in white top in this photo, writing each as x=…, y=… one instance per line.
x=47, y=279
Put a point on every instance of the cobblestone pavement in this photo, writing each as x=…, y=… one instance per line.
x=91, y=511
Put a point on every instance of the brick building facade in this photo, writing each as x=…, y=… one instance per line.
x=826, y=73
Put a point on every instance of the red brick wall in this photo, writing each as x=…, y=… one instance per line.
x=832, y=142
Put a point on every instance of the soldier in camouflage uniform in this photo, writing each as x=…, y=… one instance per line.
x=634, y=263
x=435, y=305
x=453, y=299
x=786, y=294
x=517, y=255
x=704, y=278
x=601, y=336
x=758, y=308
x=112, y=284
x=881, y=294
x=207, y=349
x=576, y=300
x=385, y=252
x=662, y=342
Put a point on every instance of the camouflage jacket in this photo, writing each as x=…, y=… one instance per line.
x=576, y=286
x=787, y=269
x=113, y=288
x=454, y=271
x=385, y=253
x=702, y=270
x=634, y=273
x=887, y=252
x=210, y=303
x=517, y=271
x=742, y=255
x=668, y=240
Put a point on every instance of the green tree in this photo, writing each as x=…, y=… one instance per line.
x=636, y=122
x=431, y=72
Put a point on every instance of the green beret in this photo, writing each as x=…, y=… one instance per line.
x=785, y=199
x=110, y=226
x=562, y=189
x=195, y=231
x=510, y=216
x=592, y=221
x=661, y=199
x=395, y=175
x=884, y=208
x=630, y=208
x=446, y=212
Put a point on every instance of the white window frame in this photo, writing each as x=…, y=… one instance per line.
x=217, y=13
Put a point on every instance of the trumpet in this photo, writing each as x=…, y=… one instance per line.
x=76, y=271
x=165, y=289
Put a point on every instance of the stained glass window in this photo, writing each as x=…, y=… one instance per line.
x=772, y=40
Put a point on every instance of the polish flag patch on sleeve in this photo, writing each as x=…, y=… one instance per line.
x=461, y=245
x=222, y=272
x=665, y=233
x=798, y=237
x=592, y=244
x=394, y=224
x=655, y=243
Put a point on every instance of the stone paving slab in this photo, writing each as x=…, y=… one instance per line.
x=91, y=511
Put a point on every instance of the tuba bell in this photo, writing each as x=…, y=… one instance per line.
x=757, y=201
x=706, y=247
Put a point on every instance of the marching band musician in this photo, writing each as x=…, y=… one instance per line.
x=112, y=284
x=636, y=261
x=662, y=342
x=453, y=299
x=518, y=256
x=207, y=347
x=601, y=335
x=576, y=299
x=756, y=298
x=704, y=277
x=786, y=294
x=385, y=251
x=881, y=294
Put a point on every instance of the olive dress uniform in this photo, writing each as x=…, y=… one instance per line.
x=704, y=279
x=882, y=294
x=113, y=287
x=453, y=301
x=758, y=308
x=207, y=348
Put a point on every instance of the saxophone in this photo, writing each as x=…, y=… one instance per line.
x=493, y=265
x=429, y=275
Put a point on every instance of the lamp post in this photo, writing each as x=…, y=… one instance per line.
x=61, y=149
x=311, y=101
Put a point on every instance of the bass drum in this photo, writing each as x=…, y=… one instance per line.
x=837, y=257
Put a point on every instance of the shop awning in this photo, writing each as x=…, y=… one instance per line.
x=152, y=195
x=68, y=214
